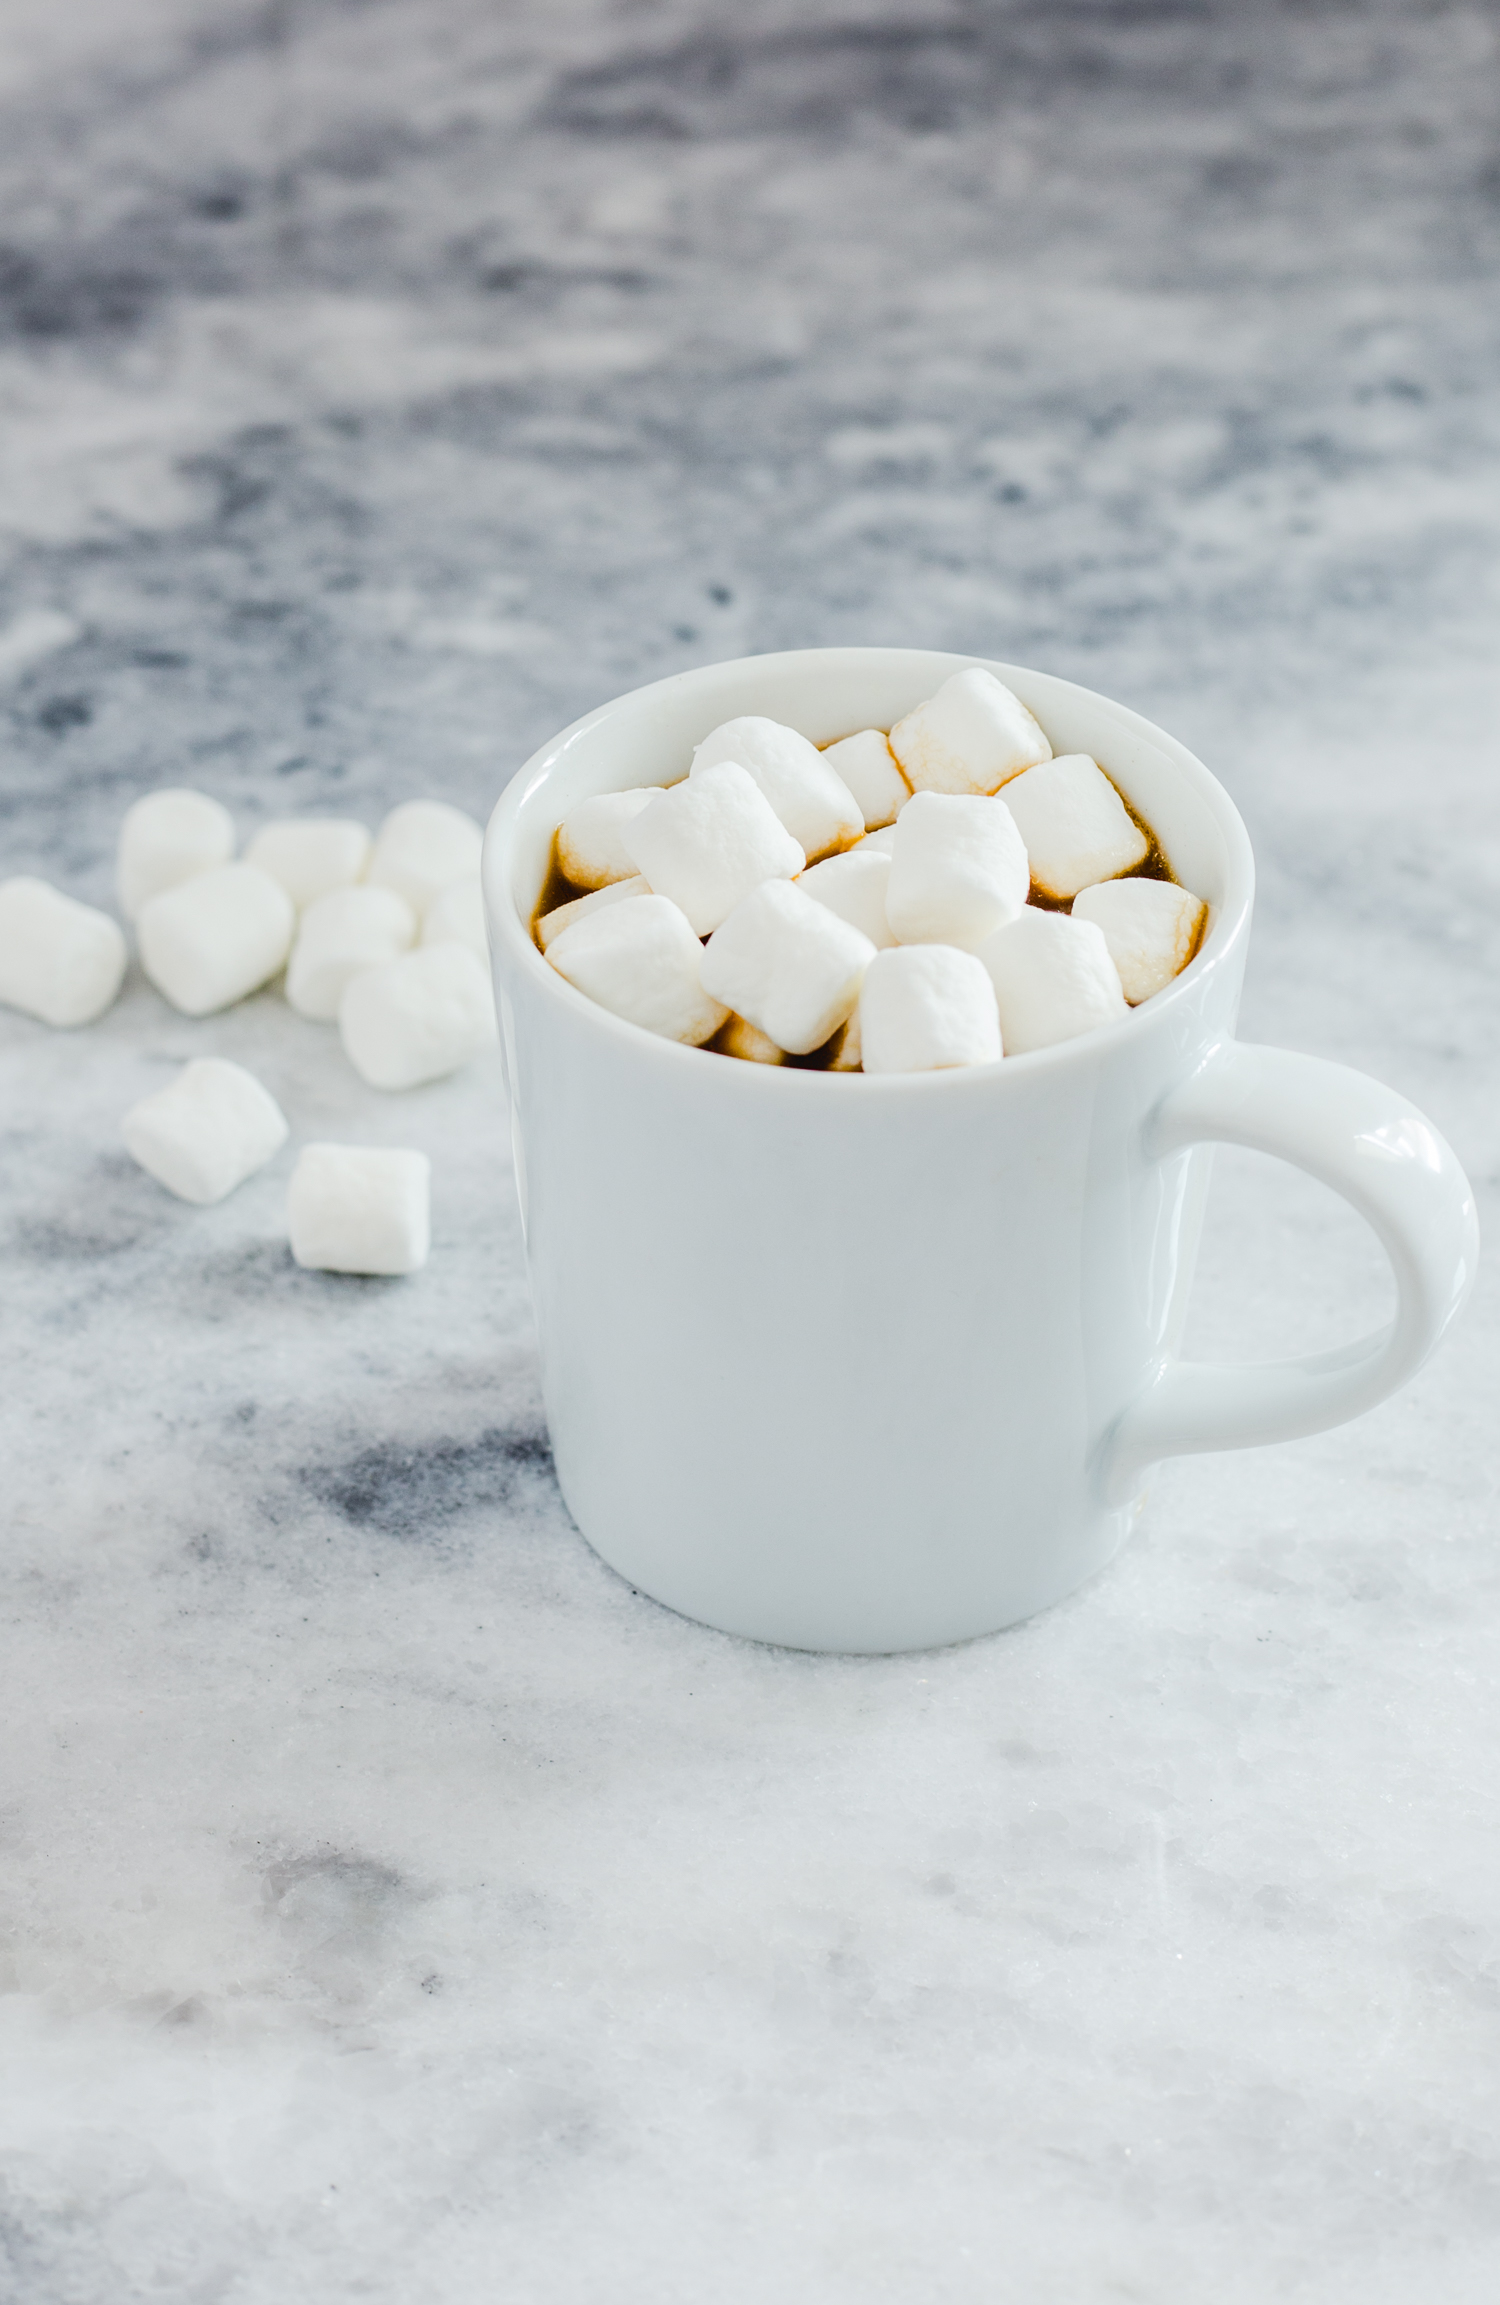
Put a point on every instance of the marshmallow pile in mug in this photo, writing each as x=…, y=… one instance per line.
x=875, y=906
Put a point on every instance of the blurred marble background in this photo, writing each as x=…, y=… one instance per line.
x=392, y=1905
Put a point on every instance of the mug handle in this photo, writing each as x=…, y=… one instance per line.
x=1391, y=1165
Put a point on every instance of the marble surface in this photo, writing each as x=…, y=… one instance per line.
x=393, y=1906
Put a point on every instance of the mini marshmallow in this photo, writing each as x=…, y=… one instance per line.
x=1076, y=827
x=457, y=917
x=1053, y=979
x=589, y=850
x=340, y=934
x=422, y=847
x=359, y=1209
x=854, y=886
x=876, y=843
x=788, y=964
x=708, y=842
x=310, y=855
x=810, y=797
x=417, y=1018
x=206, y=1131
x=564, y=916
x=872, y=773
x=59, y=960
x=642, y=962
x=215, y=938
x=745, y=1040
x=970, y=737
x=926, y=1007
x=958, y=869
x=166, y=838
x=1152, y=929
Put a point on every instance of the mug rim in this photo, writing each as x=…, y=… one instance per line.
x=1223, y=935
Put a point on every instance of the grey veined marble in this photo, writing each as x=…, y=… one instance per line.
x=394, y=1906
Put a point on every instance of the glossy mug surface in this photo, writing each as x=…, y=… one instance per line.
x=875, y=1363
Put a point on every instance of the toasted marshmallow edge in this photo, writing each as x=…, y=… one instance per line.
x=216, y=938
x=810, y=797
x=876, y=843
x=788, y=964
x=422, y=847
x=589, y=851
x=1076, y=827
x=971, y=736
x=854, y=886
x=206, y=1131
x=873, y=774
x=419, y=1018
x=927, y=1008
x=564, y=916
x=958, y=869
x=643, y=963
x=1053, y=979
x=60, y=961
x=743, y=1039
x=706, y=843
x=1152, y=929
x=165, y=838
x=340, y=934
x=310, y=855
x=359, y=1209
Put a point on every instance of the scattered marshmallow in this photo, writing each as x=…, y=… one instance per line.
x=873, y=774
x=457, y=917
x=1151, y=927
x=422, y=847
x=876, y=843
x=789, y=964
x=166, y=838
x=707, y=842
x=213, y=939
x=1053, y=979
x=590, y=852
x=642, y=962
x=745, y=1040
x=340, y=934
x=417, y=1018
x=854, y=886
x=206, y=1131
x=1076, y=827
x=807, y=793
x=310, y=855
x=359, y=1209
x=926, y=1007
x=971, y=736
x=563, y=916
x=59, y=960
x=958, y=869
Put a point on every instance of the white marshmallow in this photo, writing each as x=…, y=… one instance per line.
x=854, y=886
x=872, y=773
x=1152, y=929
x=457, y=917
x=359, y=1209
x=847, y=1048
x=1076, y=827
x=970, y=737
x=958, y=869
x=215, y=938
x=707, y=842
x=310, y=855
x=564, y=916
x=59, y=960
x=166, y=838
x=417, y=1018
x=339, y=935
x=788, y=964
x=422, y=847
x=206, y=1131
x=589, y=850
x=1053, y=979
x=642, y=962
x=745, y=1040
x=876, y=843
x=810, y=797
x=926, y=1007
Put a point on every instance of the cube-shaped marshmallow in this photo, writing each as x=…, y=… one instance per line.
x=1053, y=979
x=958, y=869
x=59, y=960
x=359, y=1209
x=642, y=961
x=590, y=852
x=707, y=842
x=873, y=774
x=563, y=916
x=788, y=964
x=926, y=1008
x=166, y=837
x=212, y=939
x=340, y=935
x=457, y=917
x=739, y=1037
x=310, y=855
x=206, y=1131
x=854, y=886
x=1152, y=928
x=1076, y=827
x=972, y=736
x=417, y=1018
x=810, y=797
x=422, y=847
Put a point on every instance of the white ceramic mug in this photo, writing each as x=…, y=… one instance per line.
x=876, y=1363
